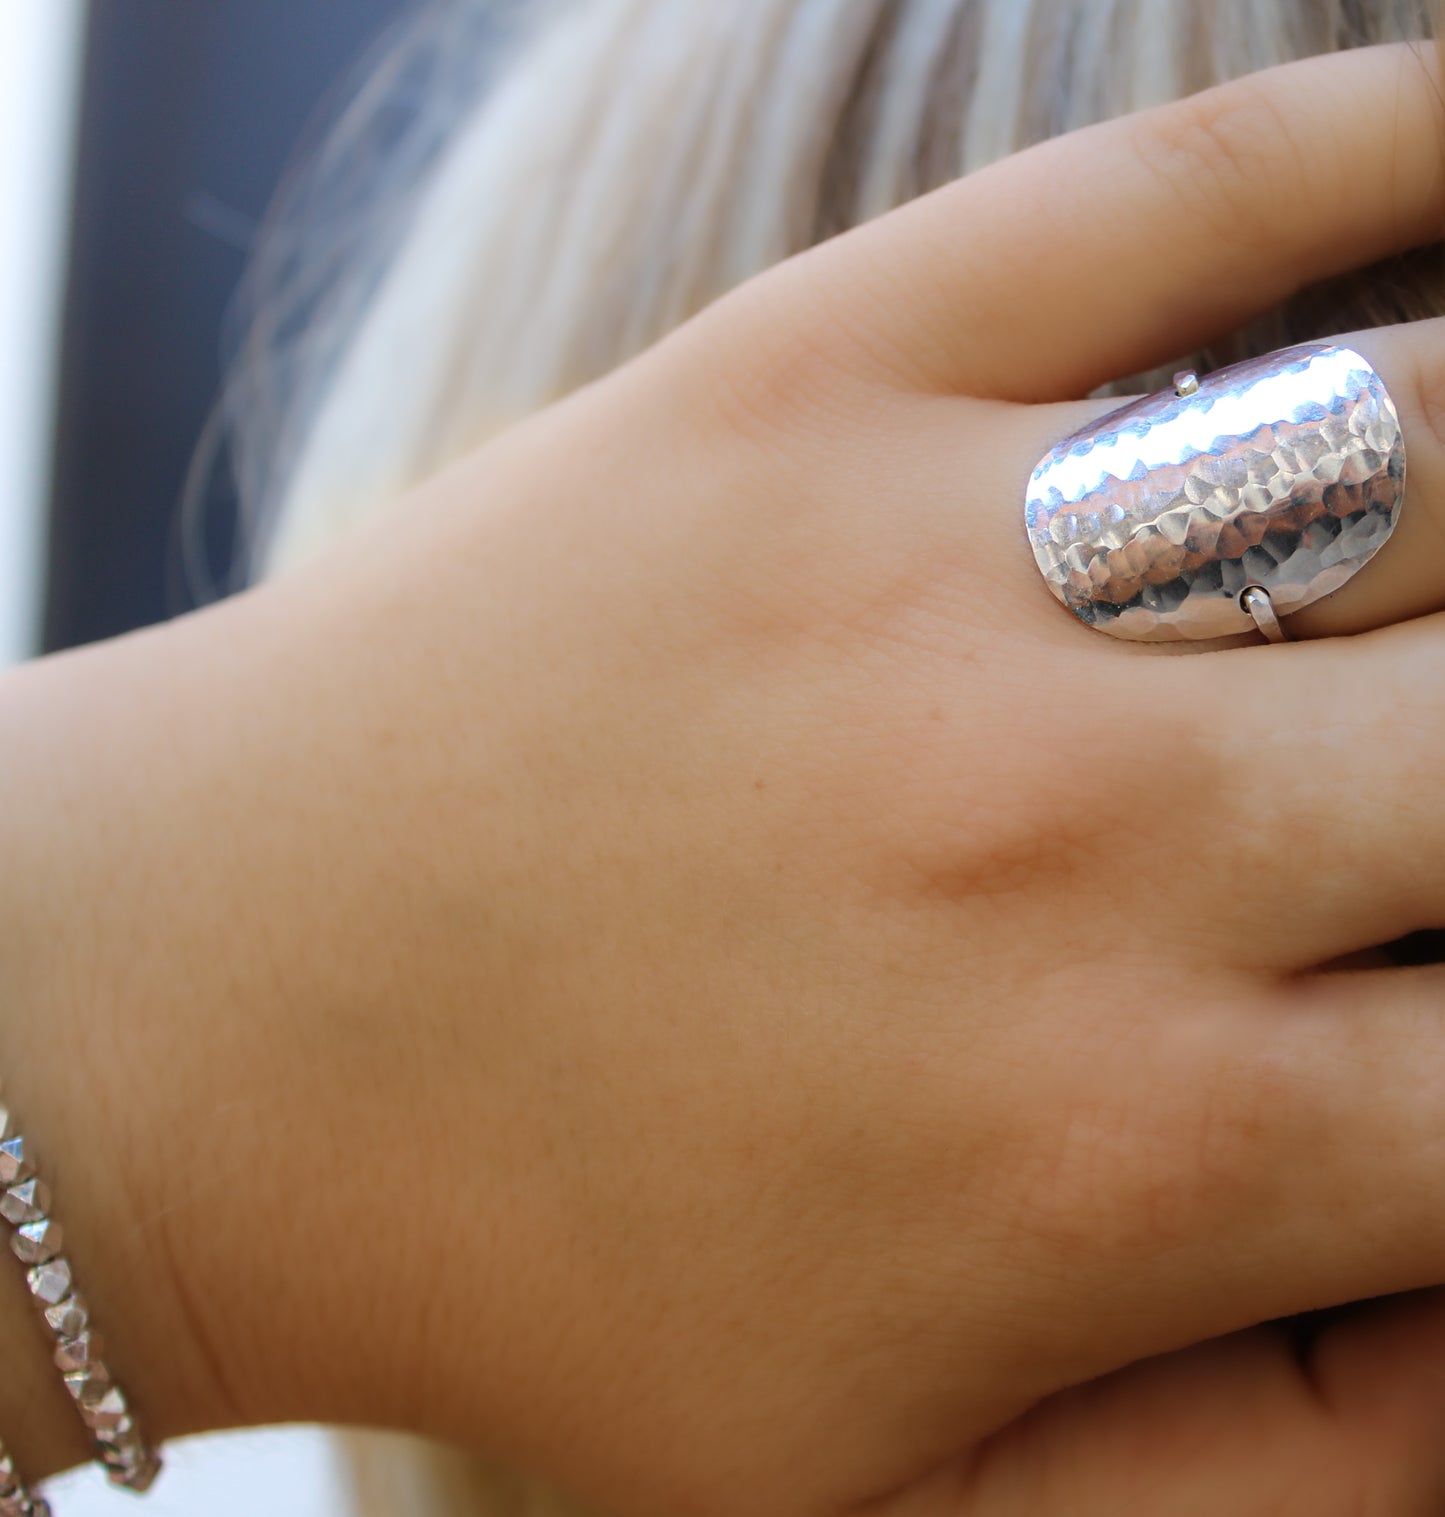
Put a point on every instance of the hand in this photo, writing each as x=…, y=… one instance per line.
x=677, y=962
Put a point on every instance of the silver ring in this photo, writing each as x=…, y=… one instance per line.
x=1224, y=504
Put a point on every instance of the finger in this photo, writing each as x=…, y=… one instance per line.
x=1381, y=1369
x=1406, y=578
x=1269, y=1158
x=1115, y=248
x=1316, y=787
x=1321, y=777
x=1237, y=1426
x=1305, y=776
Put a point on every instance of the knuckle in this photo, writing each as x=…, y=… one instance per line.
x=772, y=372
x=1067, y=821
x=1195, y=1145
x=1226, y=155
x=1427, y=393
x=1259, y=1135
x=1220, y=788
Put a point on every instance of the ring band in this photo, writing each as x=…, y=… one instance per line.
x=1224, y=504
x=1256, y=600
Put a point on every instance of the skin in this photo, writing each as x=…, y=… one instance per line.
x=670, y=959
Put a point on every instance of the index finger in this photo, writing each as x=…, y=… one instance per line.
x=1119, y=247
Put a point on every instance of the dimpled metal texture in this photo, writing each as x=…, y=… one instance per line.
x=1286, y=472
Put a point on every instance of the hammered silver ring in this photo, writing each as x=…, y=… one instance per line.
x=1223, y=504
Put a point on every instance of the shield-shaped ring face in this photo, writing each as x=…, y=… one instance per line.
x=1285, y=472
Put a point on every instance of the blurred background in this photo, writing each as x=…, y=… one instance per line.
x=140, y=142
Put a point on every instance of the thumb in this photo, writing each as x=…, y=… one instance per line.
x=1243, y=1425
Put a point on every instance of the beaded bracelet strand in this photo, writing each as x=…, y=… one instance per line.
x=16, y=1498
x=36, y=1240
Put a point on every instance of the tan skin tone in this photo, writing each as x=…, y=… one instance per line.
x=670, y=959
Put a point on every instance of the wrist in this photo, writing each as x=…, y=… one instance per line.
x=162, y=1043
x=261, y=1007
x=79, y=1069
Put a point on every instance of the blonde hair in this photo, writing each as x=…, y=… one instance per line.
x=632, y=161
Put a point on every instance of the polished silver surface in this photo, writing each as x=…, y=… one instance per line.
x=1256, y=600
x=1186, y=383
x=27, y=1202
x=96, y=1394
x=16, y=1499
x=69, y=1318
x=15, y=1164
x=50, y=1283
x=1286, y=472
x=36, y=1240
x=78, y=1353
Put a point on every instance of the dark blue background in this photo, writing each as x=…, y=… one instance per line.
x=191, y=110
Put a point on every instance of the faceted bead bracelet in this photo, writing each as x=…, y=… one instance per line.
x=36, y=1240
x=16, y=1498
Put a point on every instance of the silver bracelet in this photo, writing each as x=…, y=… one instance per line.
x=16, y=1498
x=35, y=1240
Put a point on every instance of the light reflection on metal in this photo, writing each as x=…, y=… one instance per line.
x=1286, y=472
